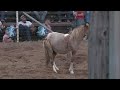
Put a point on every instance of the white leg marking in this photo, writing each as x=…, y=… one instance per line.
x=71, y=72
x=55, y=66
x=71, y=69
x=54, y=69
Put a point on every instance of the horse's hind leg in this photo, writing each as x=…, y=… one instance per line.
x=68, y=56
x=55, y=68
x=48, y=51
x=47, y=58
x=50, y=55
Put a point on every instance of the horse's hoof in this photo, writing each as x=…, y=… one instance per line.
x=56, y=68
x=71, y=72
x=55, y=71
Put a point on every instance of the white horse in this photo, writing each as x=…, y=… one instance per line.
x=59, y=43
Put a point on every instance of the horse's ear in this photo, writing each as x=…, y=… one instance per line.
x=86, y=26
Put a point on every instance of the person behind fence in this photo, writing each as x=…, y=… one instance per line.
x=3, y=14
x=6, y=37
x=59, y=16
x=12, y=32
x=69, y=15
x=2, y=28
x=25, y=28
x=41, y=15
x=42, y=31
x=81, y=17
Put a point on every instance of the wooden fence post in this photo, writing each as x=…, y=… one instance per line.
x=98, y=45
x=114, y=45
x=17, y=26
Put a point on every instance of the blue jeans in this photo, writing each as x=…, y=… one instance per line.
x=87, y=16
x=59, y=15
x=41, y=15
x=1, y=36
x=25, y=33
x=78, y=22
x=2, y=15
x=44, y=13
x=69, y=14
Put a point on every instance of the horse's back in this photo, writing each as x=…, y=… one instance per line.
x=57, y=41
x=55, y=36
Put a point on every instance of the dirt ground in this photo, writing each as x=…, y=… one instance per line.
x=25, y=60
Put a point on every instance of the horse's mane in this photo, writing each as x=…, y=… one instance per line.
x=77, y=33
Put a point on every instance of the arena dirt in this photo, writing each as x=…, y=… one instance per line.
x=25, y=60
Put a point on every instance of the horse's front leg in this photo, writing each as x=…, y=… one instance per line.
x=71, y=63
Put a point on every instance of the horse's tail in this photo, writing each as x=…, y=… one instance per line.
x=48, y=50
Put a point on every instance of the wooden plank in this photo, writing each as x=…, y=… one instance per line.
x=10, y=15
x=114, y=43
x=31, y=12
x=52, y=24
x=98, y=45
x=37, y=21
